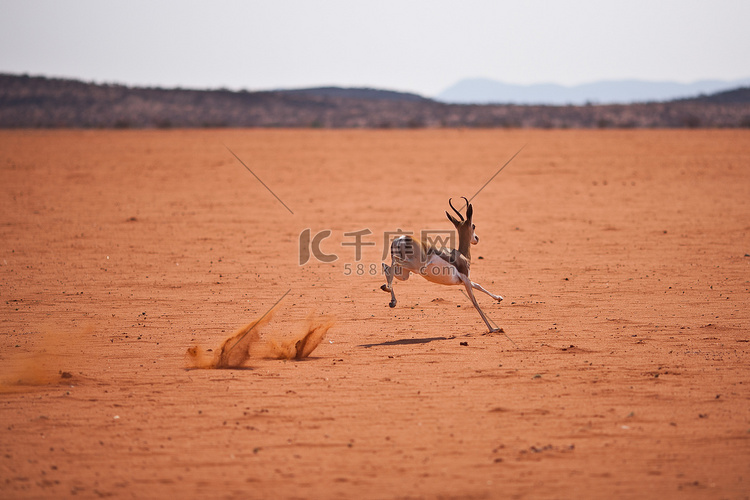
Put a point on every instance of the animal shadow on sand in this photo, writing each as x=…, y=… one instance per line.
x=406, y=342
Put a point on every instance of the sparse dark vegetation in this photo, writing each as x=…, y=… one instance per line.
x=39, y=102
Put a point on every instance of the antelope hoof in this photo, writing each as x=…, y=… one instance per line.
x=392, y=304
x=497, y=330
x=385, y=288
x=499, y=299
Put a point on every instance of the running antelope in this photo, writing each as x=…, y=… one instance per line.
x=438, y=265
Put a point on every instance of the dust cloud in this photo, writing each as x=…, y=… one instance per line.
x=246, y=344
x=51, y=361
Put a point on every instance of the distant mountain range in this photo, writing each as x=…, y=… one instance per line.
x=40, y=102
x=486, y=91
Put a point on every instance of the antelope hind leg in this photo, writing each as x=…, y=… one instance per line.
x=388, y=287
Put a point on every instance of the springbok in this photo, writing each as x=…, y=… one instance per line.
x=438, y=265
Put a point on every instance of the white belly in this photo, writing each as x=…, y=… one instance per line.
x=439, y=271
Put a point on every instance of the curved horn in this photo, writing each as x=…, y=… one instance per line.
x=469, y=209
x=454, y=209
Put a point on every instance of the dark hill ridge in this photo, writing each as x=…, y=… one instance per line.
x=736, y=96
x=357, y=93
x=39, y=102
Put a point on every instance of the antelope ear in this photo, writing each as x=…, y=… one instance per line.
x=454, y=221
x=469, y=212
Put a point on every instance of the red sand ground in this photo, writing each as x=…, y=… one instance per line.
x=622, y=256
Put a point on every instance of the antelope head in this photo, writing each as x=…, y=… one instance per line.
x=464, y=226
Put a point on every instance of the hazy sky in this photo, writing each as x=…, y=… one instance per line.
x=418, y=46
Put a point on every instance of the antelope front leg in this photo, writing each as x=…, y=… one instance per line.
x=388, y=287
x=482, y=289
x=468, y=284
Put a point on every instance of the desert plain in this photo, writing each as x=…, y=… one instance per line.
x=623, y=368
